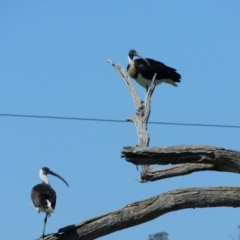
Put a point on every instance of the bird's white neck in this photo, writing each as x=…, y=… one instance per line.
x=43, y=177
x=130, y=60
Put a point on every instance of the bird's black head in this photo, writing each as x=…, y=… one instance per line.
x=133, y=53
x=46, y=170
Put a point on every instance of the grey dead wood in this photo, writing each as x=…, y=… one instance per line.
x=140, y=118
x=136, y=100
x=146, y=210
x=185, y=159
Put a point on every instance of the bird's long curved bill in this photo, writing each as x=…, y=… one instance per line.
x=138, y=55
x=56, y=175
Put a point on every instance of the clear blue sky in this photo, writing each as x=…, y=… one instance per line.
x=53, y=63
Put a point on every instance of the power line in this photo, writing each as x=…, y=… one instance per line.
x=118, y=121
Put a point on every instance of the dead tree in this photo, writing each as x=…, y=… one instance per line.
x=184, y=160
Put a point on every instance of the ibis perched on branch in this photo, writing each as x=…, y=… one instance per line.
x=43, y=196
x=143, y=70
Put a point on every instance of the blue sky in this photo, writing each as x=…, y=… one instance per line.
x=53, y=63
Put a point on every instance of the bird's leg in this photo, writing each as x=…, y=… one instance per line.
x=45, y=221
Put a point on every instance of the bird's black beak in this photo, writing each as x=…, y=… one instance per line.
x=56, y=175
x=138, y=55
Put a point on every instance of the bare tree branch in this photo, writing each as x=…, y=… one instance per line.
x=140, y=118
x=140, y=212
x=148, y=98
x=189, y=158
x=136, y=100
x=183, y=154
x=176, y=170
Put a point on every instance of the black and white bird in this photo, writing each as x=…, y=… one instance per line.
x=144, y=69
x=43, y=196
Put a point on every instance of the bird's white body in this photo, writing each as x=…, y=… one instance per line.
x=48, y=210
x=145, y=82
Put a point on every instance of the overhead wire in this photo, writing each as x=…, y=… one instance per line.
x=116, y=120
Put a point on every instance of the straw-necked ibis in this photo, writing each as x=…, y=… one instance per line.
x=144, y=69
x=43, y=195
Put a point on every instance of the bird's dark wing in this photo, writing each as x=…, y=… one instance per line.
x=163, y=71
x=41, y=193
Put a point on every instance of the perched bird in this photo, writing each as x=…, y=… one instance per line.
x=144, y=69
x=43, y=196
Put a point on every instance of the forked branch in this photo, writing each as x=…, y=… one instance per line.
x=185, y=159
x=143, y=111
